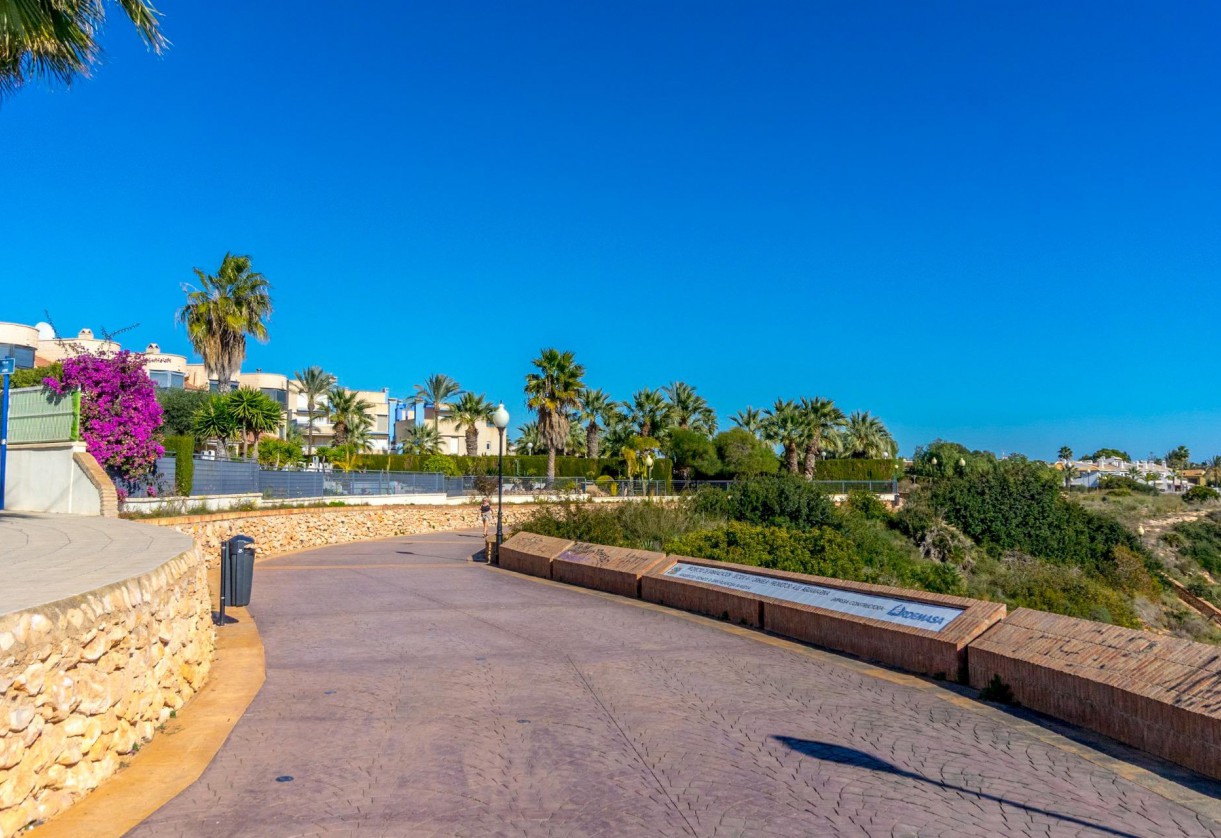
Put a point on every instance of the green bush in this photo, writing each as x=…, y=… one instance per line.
x=1200, y=494
x=1201, y=541
x=514, y=465
x=1128, y=483
x=781, y=501
x=441, y=463
x=868, y=505
x=1021, y=581
x=645, y=525
x=182, y=449
x=742, y=454
x=178, y=409
x=857, y=469
x=34, y=377
x=279, y=452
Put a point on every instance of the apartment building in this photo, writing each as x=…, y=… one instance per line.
x=453, y=438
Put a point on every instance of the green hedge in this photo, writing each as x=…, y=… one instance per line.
x=515, y=466
x=182, y=449
x=857, y=469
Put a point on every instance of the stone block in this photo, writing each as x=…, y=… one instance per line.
x=615, y=570
x=531, y=554
x=1152, y=692
x=700, y=598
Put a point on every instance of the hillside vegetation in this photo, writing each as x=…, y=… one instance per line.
x=997, y=530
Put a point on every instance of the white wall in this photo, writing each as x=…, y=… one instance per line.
x=43, y=477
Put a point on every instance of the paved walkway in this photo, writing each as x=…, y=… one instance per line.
x=45, y=558
x=412, y=692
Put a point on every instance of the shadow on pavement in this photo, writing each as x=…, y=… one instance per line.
x=851, y=756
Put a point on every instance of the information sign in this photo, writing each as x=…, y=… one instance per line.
x=888, y=609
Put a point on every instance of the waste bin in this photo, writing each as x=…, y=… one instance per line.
x=239, y=570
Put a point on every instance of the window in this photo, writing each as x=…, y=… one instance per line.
x=280, y=397
x=22, y=355
x=167, y=379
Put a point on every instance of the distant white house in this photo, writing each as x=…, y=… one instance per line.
x=1088, y=473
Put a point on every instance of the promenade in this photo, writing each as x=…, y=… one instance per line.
x=412, y=691
x=46, y=558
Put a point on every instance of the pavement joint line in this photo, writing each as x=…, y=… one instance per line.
x=451, y=565
x=1196, y=801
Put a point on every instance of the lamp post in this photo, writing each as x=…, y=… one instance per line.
x=7, y=365
x=648, y=473
x=501, y=420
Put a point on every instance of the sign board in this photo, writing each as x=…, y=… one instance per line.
x=7, y=366
x=887, y=609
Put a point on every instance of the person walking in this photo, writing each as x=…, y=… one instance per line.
x=485, y=514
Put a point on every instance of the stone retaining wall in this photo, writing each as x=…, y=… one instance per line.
x=285, y=530
x=86, y=680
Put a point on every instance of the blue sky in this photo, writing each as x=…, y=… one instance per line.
x=994, y=223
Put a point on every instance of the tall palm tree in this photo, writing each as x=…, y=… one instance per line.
x=313, y=382
x=552, y=392
x=222, y=312
x=784, y=426
x=347, y=410
x=1065, y=453
x=594, y=407
x=470, y=412
x=648, y=411
x=437, y=389
x=749, y=419
x=527, y=441
x=254, y=414
x=421, y=440
x=57, y=39
x=866, y=437
x=821, y=418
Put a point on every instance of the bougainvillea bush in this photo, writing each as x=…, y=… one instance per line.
x=119, y=410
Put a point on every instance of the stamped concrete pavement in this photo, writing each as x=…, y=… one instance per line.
x=412, y=691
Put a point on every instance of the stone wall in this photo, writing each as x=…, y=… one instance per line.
x=284, y=530
x=58, y=477
x=86, y=680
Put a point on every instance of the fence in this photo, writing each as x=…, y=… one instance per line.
x=39, y=415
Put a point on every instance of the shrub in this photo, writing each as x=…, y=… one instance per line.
x=1021, y=581
x=279, y=452
x=1127, y=483
x=868, y=505
x=645, y=525
x=1200, y=494
x=996, y=690
x=742, y=454
x=182, y=448
x=178, y=409
x=34, y=377
x=781, y=501
x=441, y=463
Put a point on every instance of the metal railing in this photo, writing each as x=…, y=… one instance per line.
x=36, y=414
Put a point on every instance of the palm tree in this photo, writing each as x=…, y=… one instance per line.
x=421, y=440
x=577, y=442
x=784, y=427
x=552, y=392
x=470, y=412
x=1214, y=470
x=253, y=413
x=213, y=421
x=749, y=420
x=866, y=437
x=527, y=441
x=313, y=382
x=347, y=410
x=221, y=313
x=595, y=405
x=437, y=389
x=689, y=410
x=821, y=419
x=1065, y=453
x=57, y=39
x=648, y=411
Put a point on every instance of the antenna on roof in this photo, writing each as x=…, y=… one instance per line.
x=110, y=336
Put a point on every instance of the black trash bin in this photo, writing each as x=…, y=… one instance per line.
x=239, y=567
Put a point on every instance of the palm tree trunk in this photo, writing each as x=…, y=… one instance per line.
x=550, y=466
x=591, y=441
x=472, y=441
x=790, y=458
x=811, y=460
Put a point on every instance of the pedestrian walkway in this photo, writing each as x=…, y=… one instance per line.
x=412, y=691
x=45, y=558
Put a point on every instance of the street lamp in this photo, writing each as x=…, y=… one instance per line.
x=648, y=473
x=501, y=420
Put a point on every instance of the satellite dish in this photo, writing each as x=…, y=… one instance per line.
x=45, y=331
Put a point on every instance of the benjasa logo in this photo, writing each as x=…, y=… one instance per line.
x=902, y=613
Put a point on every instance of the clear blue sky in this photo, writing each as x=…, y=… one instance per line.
x=994, y=223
